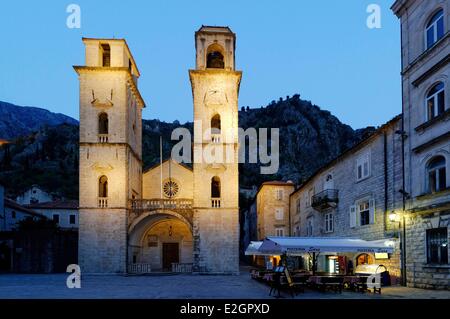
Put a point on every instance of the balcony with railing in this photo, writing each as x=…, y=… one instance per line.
x=103, y=138
x=161, y=203
x=327, y=198
x=215, y=138
x=215, y=202
x=103, y=202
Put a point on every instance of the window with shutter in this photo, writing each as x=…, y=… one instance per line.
x=352, y=216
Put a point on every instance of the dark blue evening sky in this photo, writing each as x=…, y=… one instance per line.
x=322, y=50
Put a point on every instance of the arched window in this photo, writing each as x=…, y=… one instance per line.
x=435, y=29
x=364, y=259
x=103, y=186
x=437, y=179
x=215, y=187
x=103, y=123
x=435, y=101
x=214, y=57
x=215, y=124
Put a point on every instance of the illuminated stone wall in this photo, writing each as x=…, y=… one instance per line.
x=422, y=68
x=267, y=203
x=110, y=90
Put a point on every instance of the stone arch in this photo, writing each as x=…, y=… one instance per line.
x=215, y=56
x=159, y=213
x=143, y=249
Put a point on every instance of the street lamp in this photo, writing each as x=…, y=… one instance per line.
x=394, y=217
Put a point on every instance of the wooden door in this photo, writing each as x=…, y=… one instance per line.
x=170, y=255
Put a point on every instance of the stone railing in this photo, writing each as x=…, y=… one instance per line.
x=325, y=199
x=182, y=267
x=103, y=202
x=215, y=202
x=215, y=138
x=161, y=203
x=139, y=268
x=103, y=138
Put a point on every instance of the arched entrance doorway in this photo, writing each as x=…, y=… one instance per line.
x=159, y=239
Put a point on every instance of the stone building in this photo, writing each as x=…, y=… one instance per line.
x=272, y=209
x=426, y=112
x=353, y=196
x=63, y=212
x=170, y=217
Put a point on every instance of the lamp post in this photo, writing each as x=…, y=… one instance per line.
x=394, y=217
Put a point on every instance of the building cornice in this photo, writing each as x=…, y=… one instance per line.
x=400, y=5
x=437, y=47
x=436, y=67
x=431, y=142
x=137, y=157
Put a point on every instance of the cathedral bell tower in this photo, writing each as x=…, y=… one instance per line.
x=215, y=87
x=110, y=153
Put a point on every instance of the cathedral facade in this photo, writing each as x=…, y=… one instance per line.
x=173, y=216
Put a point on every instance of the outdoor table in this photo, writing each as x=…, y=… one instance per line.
x=323, y=282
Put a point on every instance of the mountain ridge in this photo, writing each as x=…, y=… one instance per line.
x=48, y=154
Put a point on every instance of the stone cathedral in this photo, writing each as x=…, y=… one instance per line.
x=173, y=216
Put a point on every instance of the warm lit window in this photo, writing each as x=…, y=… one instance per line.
x=329, y=223
x=103, y=186
x=437, y=179
x=363, y=167
x=435, y=29
x=437, y=246
x=279, y=214
x=364, y=213
x=435, y=101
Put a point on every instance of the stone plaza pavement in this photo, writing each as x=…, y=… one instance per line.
x=180, y=286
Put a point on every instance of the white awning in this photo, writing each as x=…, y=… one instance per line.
x=253, y=249
x=301, y=245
